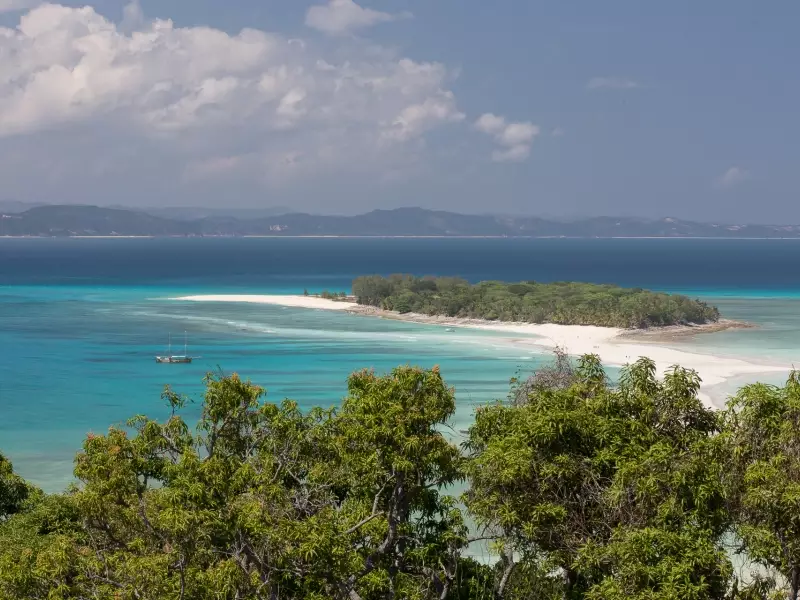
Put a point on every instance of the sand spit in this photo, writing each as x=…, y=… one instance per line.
x=290, y=301
x=615, y=347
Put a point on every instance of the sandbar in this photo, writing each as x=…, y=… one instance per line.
x=290, y=301
x=615, y=347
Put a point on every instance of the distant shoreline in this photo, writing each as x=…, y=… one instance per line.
x=65, y=220
x=390, y=237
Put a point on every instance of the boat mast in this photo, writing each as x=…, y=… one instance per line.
x=184, y=344
x=169, y=344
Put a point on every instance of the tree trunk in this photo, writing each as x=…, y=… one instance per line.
x=508, y=559
x=794, y=583
x=570, y=579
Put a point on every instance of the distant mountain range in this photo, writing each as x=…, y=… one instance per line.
x=72, y=220
x=195, y=213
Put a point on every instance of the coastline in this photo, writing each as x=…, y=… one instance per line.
x=615, y=347
x=399, y=237
x=277, y=300
x=653, y=335
x=681, y=332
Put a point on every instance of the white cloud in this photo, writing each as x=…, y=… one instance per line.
x=515, y=138
x=732, y=177
x=344, y=16
x=517, y=134
x=611, y=83
x=13, y=5
x=252, y=104
x=416, y=119
x=490, y=124
x=514, y=154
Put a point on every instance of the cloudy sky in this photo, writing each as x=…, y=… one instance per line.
x=517, y=106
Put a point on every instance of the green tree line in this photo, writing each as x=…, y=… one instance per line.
x=580, y=488
x=567, y=303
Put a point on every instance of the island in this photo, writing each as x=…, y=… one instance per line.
x=563, y=303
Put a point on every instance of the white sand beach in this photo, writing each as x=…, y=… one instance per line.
x=291, y=301
x=608, y=343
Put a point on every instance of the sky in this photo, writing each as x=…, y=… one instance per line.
x=558, y=109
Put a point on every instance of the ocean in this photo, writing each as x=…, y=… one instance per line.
x=82, y=319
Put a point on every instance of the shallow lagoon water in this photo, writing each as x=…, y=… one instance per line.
x=81, y=320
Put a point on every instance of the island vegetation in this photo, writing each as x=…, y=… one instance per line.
x=581, y=490
x=566, y=303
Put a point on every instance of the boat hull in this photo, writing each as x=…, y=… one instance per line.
x=174, y=359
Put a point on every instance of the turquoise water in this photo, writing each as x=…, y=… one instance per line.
x=79, y=359
x=81, y=320
x=775, y=340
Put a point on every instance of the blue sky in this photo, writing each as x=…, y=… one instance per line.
x=617, y=108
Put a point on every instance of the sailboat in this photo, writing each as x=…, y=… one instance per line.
x=174, y=358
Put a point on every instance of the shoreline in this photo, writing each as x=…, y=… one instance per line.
x=655, y=335
x=652, y=335
x=444, y=237
x=615, y=347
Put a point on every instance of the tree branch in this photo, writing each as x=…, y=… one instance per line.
x=358, y=525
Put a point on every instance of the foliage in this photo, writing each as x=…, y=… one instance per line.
x=532, y=302
x=616, y=491
x=560, y=374
x=763, y=444
x=581, y=489
x=13, y=489
x=332, y=295
x=262, y=501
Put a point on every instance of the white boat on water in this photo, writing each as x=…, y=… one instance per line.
x=175, y=358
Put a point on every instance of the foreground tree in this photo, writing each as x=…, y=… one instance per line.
x=763, y=444
x=583, y=489
x=263, y=501
x=13, y=490
x=603, y=492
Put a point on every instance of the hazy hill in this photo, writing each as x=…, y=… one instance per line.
x=70, y=220
x=194, y=213
x=88, y=220
x=13, y=206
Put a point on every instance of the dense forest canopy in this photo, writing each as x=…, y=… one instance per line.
x=567, y=303
x=580, y=489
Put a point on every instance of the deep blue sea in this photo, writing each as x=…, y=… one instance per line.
x=82, y=319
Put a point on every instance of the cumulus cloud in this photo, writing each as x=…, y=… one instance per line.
x=418, y=118
x=344, y=16
x=515, y=139
x=611, y=83
x=12, y=5
x=253, y=103
x=490, y=124
x=732, y=177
